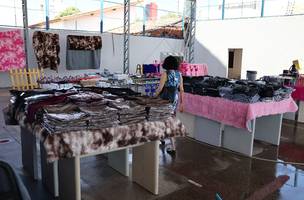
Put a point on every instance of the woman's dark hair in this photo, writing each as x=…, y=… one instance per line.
x=170, y=63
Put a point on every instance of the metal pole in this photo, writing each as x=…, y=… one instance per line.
x=144, y=20
x=126, y=63
x=47, y=20
x=15, y=14
x=262, y=8
x=101, y=15
x=223, y=10
x=189, y=36
x=183, y=21
x=192, y=31
x=25, y=30
x=208, y=9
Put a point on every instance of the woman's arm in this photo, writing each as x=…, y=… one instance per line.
x=181, y=95
x=163, y=80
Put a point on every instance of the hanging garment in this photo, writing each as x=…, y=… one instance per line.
x=46, y=48
x=83, y=52
x=12, y=54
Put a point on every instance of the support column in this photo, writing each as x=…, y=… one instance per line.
x=119, y=160
x=189, y=36
x=238, y=139
x=29, y=153
x=144, y=20
x=69, y=178
x=223, y=10
x=268, y=129
x=262, y=8
x=101, y=16
x=47, y=14
x=126, y=63
x=49, y=173
x=25, y=30
x=145, y=166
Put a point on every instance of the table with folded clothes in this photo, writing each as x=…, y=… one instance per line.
x=298, y=95
x=80, y=122
x=232, y=113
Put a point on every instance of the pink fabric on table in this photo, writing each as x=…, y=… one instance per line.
x=300, y=81
x=188, y=69
x=234, y=113
x=298, y=94
x=12, y=54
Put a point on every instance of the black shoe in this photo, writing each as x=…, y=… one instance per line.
x=171, y=151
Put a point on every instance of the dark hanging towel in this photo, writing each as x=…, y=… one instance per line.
x=46, y=48
x=83, y=52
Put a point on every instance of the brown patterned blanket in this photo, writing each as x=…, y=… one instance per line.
x=79, y=143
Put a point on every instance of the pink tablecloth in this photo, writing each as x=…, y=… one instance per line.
x=233, y=113
x=298, y=94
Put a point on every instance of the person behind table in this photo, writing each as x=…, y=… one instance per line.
x=171, y=88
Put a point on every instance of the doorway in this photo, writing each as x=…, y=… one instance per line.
x=235, y=63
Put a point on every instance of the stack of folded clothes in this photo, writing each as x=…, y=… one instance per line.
x=156, y=108
x=87, y=108
x=129, y=112
x=101, y=115
x=57, y=122
x=86, y=97
x=241, y=93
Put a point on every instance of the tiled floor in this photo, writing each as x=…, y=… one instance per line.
x=198, y=171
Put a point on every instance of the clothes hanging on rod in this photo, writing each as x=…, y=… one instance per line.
x=46, y=48
x=12, y=54
x=83, y=52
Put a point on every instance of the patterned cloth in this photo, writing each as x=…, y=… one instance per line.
x=170, y=90
x=81, y=142
x=83, y=52
x=75, y=143
x=12, y=54
x=77, y=42
x=234, y=113
x=46, y=48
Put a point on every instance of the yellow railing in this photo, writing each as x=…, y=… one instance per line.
x=25, y=79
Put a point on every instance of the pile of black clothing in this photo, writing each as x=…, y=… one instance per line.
x=237, y=90
x=204, y=85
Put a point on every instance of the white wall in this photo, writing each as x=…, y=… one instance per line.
x=269, y=44
x=142, y=50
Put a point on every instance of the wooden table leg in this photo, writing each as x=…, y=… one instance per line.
x=208, y=131
x=119, y=161
x=268, y=129
x=29, y=153
x=49, y=173
x=145, y=166
x=69, y=178
x=300, y=117
x=238, y=139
